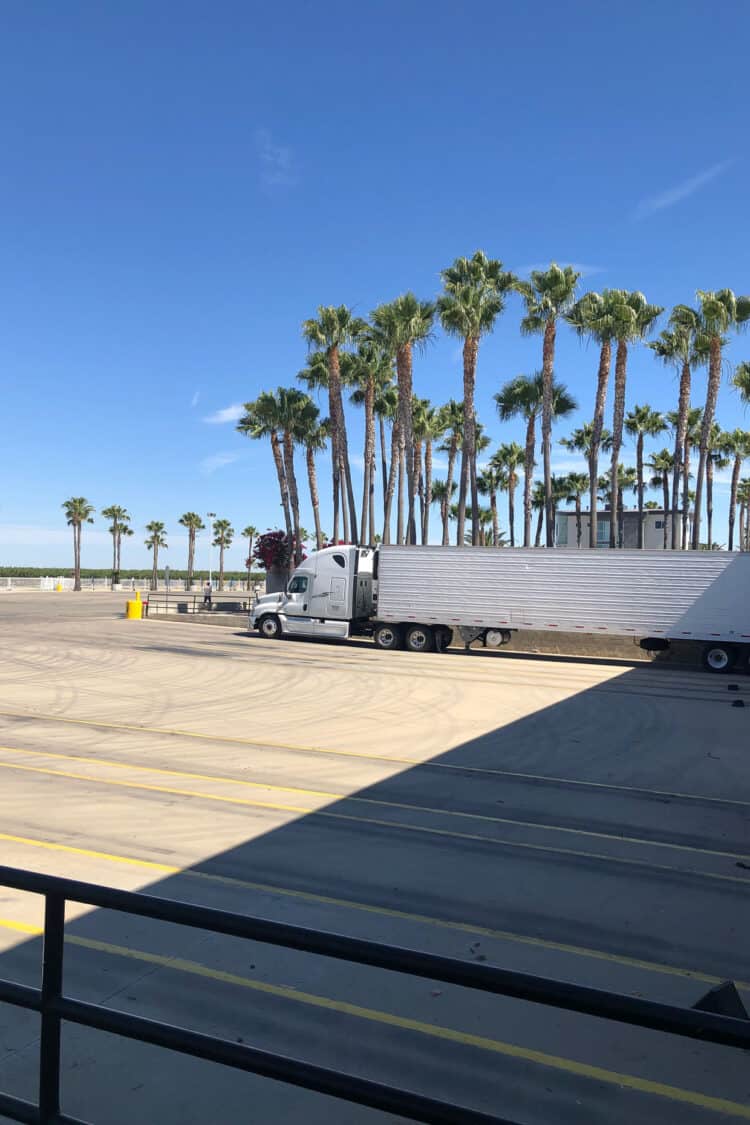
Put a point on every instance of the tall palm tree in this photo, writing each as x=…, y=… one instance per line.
x=249, y=533
x=399, y=327
x=262, y=418
x=549, y=295
x=157, y=539
x=523, y=397
x=78, y=511
x=489, y=482
x=508, y=459
x=634, y=319
x=120, y=518
x=386, y=409
x=223, y=536
x=429, y=425
x=193, y=522
x=473, y=298
x=297, y=414
x=735, y=445
x=640, y=423
x=332, y=330
x=590, y=440
x=661, y=464
x=442, y=495
x=684, y=346
x=314, y=436
x=720, y=311
x=576, y=486
x=593, y=317
x=716, y=459
x=452, y=422
x=371, y=374
x=693, y=425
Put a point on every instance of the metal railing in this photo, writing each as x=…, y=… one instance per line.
x=54, y=1006
x=175, y=601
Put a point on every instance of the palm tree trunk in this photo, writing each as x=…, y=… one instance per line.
x=369, y=450
x=221, y=565
x=639, y=470
x=427, y=490
x=620, y=519
x=419, y=475
x=710, y=499
x=445, y=506
x=579, y=527
x=736, y=469
x=312, y=480
x=371, y=506
x=291, y=480
x=712, y=394
x=191, y=556
x=539, y=525
x=468, y=446
x=495, y=522
x=76, y=556
x=114, y=551
x=155, y=569
x=405, y=418
x=383, y=459
x=602, y=381
x=528, y=478
x=685, y=492
x=548, y=365
x=283, y=488
x=512, y=482
x=338, y=420
x=621, y=366
x=665, y=487
x=391, y=487
x=742, y=536
x=400, y=535
x=344, y=507
x=679, y=448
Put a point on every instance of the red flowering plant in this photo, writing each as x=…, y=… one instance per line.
x=273, y=549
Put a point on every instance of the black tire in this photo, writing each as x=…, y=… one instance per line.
x=388, y=637
x=719, y=658
x=270, y=627
x=420, y=638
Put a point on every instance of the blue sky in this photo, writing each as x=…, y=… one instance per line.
x=182, y=184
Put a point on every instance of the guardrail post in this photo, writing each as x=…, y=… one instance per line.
x=52, y=979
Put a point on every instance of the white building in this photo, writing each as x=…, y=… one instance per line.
x=653, y=528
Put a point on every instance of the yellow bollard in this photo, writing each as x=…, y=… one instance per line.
x=134, y=609
x=58, y=588
x=138, y=595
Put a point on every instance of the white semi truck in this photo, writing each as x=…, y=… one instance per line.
x=417, y=597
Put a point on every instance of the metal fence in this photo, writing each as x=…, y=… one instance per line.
x=52, y=582
x=174, y=601
x=54, y=1006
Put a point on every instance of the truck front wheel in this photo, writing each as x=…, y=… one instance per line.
x=270, y=627
x=719, y=658
x=420, y=638
x=387, y=636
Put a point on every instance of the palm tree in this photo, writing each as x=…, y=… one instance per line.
x=193, y=522
x=249, y=533
x=371, y=374
x=508, y=459
x=719, y=311
x=539, y=502
x=489, y=482
x=735, y=446
x=684, y=346
x=593, y=316
x=452, y=422
x=332, y=330
x=442, y=495
x=661, y=464
x=157, y=538
x=576, y=485
x=398, y=327
x=297, y=415
x=473, y=298
x=78, y=511
x=314, y=436
x=743, y=496
x=262, y=418
x=120, y=518
x=634, y=319
x=642, y=422
x=523, y=396
x=693, y=423
x=386, y=409
x=590, y=440
x=429, y=424
x=716, y=459
x=548, y=296
x=741, y=381
x=627, y=479
x=223, y=536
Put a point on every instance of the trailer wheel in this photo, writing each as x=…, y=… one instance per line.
x=719, y=658
x=420, y=638
x=270, y=627
x=387, y=636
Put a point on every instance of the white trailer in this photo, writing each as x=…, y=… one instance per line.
x=416, y=597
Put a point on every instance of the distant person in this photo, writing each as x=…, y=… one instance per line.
x=207, y=592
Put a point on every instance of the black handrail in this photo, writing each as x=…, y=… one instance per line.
x=53, y=1006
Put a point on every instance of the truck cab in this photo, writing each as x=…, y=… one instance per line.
x=328, y=595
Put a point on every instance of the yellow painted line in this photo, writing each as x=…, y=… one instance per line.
x=434, y=1031
x=400, y=825
x=383, y=911
x=541, y=826
x=265, y=744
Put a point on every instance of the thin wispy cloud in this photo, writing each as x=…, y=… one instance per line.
x=231, y=413
x=216, y=461
x=277, y=164
x=195, y=399
x=681, y=191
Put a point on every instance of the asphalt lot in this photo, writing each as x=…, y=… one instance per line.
x=586, y=821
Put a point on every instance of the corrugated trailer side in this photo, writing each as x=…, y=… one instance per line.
x=678, y=595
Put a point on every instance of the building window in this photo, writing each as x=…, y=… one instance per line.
x=602, y=533
x=659, y=525
x=562, y=531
